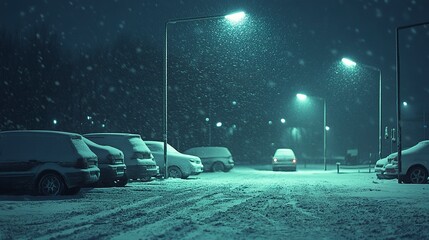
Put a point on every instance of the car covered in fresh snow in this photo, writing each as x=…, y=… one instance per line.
x=138, y=158
x=46, y=162
x=215, y=159
x=179, y=165
x=384, y=169
x=414, y=162
x=111, y=164
x=284, y=158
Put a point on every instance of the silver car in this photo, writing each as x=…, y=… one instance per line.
x=284, y=158
x=215, y=159
x=415, y=163
x=179, y=165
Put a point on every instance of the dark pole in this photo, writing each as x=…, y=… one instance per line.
x=398, y=107
x=398, y=97
x=324, y=134
x=165, y=102
x=165, y=112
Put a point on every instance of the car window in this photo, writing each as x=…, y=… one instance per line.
x=154, y=147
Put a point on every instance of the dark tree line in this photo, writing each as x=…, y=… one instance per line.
x=45, y=85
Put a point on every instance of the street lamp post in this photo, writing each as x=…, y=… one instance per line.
x=234, y=18
x=349, y=63
x=398, y=97
x=303, y=97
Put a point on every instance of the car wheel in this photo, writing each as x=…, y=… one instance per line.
x=51, y=184
x=417, y=175
x=218, y=167
x=174, y=172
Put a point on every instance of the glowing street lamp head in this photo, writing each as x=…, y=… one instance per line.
x=348, y=63
x=301, y=97
x=235, y=17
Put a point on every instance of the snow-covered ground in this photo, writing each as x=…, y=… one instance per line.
x=250, y=202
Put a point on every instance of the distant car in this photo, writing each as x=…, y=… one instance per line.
x=111, y=164
x=414, y=162
x=46, y=162
x=383, y=168
x=215, y=159
x=284, y=158
x=138, y=158
x=179, y=165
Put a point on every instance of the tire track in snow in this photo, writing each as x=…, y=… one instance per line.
x=80, y=226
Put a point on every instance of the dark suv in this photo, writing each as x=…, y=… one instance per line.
x=46, y=162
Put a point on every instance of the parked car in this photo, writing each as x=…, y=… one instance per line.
x=179, y=165
x=46, y=162
x=284, y=158
x=138, y=158
x=111, y=164
x=414, y=162
x=383, y=168
x=214, y=159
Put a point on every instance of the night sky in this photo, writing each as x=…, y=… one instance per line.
x=97, y=66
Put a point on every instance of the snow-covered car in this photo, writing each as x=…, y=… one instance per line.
x=415, y=163
x=46, y=162
x=138, y=158
x=214, y=159
x=111, y=164
x=284, y=158
x=383, y=168
x=179, y=165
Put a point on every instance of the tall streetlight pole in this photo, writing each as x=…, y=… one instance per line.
x=303, y=97
x=233, y=18
x=349, y=63
x=398, y=97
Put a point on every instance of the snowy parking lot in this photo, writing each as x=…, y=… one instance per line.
x=250, y=202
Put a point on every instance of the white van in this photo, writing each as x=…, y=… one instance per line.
x=46, y=162
x=138, y=158
x=179, y=165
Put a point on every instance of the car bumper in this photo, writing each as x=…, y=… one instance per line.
x=142, y=171
x=196, y=169
x=383, y=174
x=284, y=166
x=82, y=177
x=112, y=172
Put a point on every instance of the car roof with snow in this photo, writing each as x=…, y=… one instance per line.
x=208, y=152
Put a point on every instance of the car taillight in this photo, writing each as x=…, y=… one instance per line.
x=294, y=160
x=143, y=155
x=275, y=160
x=82, y=163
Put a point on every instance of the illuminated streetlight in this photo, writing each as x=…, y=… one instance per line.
x=350, y=64
x=283, y=120
x=303, y=97
x=233, y=18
